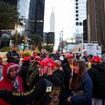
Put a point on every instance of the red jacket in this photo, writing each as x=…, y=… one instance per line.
x=5, y=83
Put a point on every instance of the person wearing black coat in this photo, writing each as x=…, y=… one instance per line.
x=97, y=73
x=67, y=68
x=40, y=96
x=24, y=71
x=13, y=56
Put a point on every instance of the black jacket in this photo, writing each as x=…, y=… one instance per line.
x=97, y=74
x=67, y=72
x=23, y=73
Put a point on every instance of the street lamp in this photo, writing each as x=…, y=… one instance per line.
x=61, y=40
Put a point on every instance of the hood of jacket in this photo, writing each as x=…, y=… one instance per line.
x=7, y=67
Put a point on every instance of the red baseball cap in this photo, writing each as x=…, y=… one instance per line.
x=70, y=55
x=96, y=59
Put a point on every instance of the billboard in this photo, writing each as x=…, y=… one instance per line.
x=90, y=48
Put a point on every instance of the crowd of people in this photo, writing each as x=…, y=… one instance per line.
x=52, y=79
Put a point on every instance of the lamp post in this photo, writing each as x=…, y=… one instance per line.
x=61, y=40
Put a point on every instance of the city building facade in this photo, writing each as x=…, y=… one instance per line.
x=49, y=38
x=36, y=16
x=96, y=21
x=85, y=34
x=23, y=7
x=80, y=15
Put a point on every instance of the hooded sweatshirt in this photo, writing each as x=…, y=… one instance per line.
x=6, y=83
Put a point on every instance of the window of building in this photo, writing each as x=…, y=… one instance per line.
x=76, y=7
x=77, y=19
x=77, y=11
x=80, y=23
x=77, y=15
x=76, y=3
x=77, y=23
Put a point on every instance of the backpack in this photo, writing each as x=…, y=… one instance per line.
x=53, y=92
x=55, y=96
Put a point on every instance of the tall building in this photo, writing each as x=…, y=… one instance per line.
x=52, y=22
x=96, y=21
x=36, y=16
x=24, y=8
x=11, y=2
x=80, y=15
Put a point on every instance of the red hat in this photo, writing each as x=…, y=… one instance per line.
x=50, y=62
x=96, y=59
x=47, y=62
x=37, y=58
x=43, y=63
x=26, y=58
x=44, y=67
x=70, y=55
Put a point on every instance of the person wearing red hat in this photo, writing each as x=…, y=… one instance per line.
x=67, y=68
x=97, y=73
x=47, y=66
x=26, y=58
x=24, y=70
x=43, y=68
x=96, y=60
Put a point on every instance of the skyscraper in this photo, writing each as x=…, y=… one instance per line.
x=80, y=15
x=96, y=21
x=24, y=8
x=52, y=22
x=36, y=16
